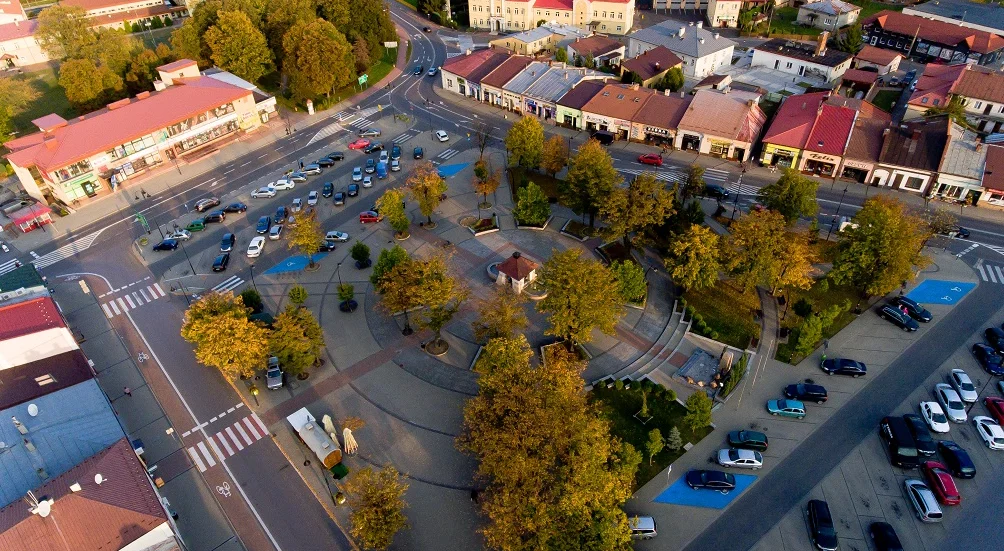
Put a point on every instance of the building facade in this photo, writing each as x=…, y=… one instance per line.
x=18, y=46
x=828, y=15
x=804, y=59
x=720, y=124
x=724, y=13
x=982, y=16
x=610, y=16
x=702, y=51
x=928, y=40
x=912, y=154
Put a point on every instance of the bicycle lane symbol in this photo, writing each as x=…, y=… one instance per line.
x=224, y=489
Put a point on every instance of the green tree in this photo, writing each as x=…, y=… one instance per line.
x=630, y=278
x=793, y=268
x=525, y=142
x=561, y=55
x=883, y=250
x=955, y=109
x=297, y=295
x=317, y=58
x=336, y=11
x=63, y=31
x=238, y=46
x=501, y=316
x=224, y=337
x=377, y=501
x=142, y=70
x=589, y=61
x=156, y=23
x=554, y=156
x=694, y=260
x=674, y=79
x=694, y=184
x=675, y=440
x=87, y=85
x=415, y=283
x=306, y=236
x=391, y=206
x=590, y=181
x=296, y=340
x=485, y=181
x=386, y=261
x=252, y=299
x=631, y=211
x=360, y=252
x=655, y=444
x=188, y=40
x=442, y=295
x=532, y=208
x=810, y=331
x=361, y=53
x=582, y=295
x=849, y=39
x=112, y=49
x=752, y=251
x=793, y=195
x=277, y=21
x=427, y=188
x=698, y=411
x=556, y=478
x=18, y=95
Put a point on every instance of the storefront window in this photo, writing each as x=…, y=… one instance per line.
x=202, y=138
x=187, y=124
x=73, y=170
x=914, y=183
x=719, y=148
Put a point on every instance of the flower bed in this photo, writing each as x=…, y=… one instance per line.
x=484, y=225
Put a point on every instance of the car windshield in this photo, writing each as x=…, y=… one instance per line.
x=733, y=455
x=999, y=441
x=939, y=417
x=967, y=386
x=827, y=531
x=952, y=404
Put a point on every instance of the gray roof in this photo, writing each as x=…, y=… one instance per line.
x=521, y=82
x=690, y=44
x=71, y=425
x=546, y=30
x=986, y=14
x=962, y=158
x=830, y=7
x=533, y=34
x=557, y=81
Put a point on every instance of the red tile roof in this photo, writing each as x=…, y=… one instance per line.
x=618, y=101
x=877, y=56
x=110, y=515
x=858, y=75
x=734, y=115
x=463, y=65
x=993, y=174
x=596, y=45
x=981, y=84
x=30, y=316
x=553, y=4
x=20, y=29
x=517, y=267
x=95, y=4
x=653, y=62
x=831, y=129
x=488, y=66
x=935, y=83
x=794, y=119
x=939, y=32
x=11, y=7
x=135, y=14
x=176, y=65
x=662, y=111
x=506, y=71
x=102, y=130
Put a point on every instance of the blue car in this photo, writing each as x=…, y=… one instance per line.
x=988, y=358
x=786, y=408
x=264, y=224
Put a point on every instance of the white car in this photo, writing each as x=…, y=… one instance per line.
x=311, y=198
x=180, y=235
x=384, y=157
x=357, y=174
x=991, y=433
x=934, y=416
x=442, y=136
x=368, y=182
x=312, y=169
x=275, y=232
x=963, y=385
x=267, y=191
x=744, y=459
x=338, y=236
x=395, y=165
x=256, y=246
x=950, y=401
x=284, y=183
x=297, y=205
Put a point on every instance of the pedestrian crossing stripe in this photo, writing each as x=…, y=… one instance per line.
x=328, y=130
x=9, y=266
x=216, y=448
x=447, y=154
x=360, y=123
x=228, y=284
x=404, y=137
x=991, y=273
x=132, y=300
x=676, y=176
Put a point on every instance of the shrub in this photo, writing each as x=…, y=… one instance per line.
x=619, y=384
x=803, y=308
x=252, y=300
x=360, y=252
x=735, y=375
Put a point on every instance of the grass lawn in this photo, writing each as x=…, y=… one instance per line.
x=783, y=22
x=728, y=311
x=377, y=71
x=412, y=3
x=821, y=296
x=620, y=406
x=520, y=177
x=51, y=99
x=886, y=99
x=869, y=8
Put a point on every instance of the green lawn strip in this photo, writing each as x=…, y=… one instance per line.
x=619, y=408
x=728, y=311
x=886, y=99
x=51, y=99
x=822, y=296
x=783, y=22
x=413, y=4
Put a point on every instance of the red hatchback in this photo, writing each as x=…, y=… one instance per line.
x=995, y=406
x=369, y=216
x=359, y=144
x=941, y=483
x=650, y=159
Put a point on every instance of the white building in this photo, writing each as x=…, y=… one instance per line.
x=724, y=13
x=828, y=15
x=11, y=11
x=604, y=16
x=803, y=59
x=18, y=46
x=702, y=51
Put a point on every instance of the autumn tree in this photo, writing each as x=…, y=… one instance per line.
x=752, y=251
x=276, y=22
x=386, y=261
x=939, y=221
x=694, y=259
x=391, y=207
x=224, y=338
x=698, y=411
x=398, y=288
x=793, y=269
x=554, y=156
x=361, y=52
x=238, y=46
x=296, y=340
x=655, y=444
x=631, y=211
x=317, y=58
x=525, y=142
x=297, y=295
x=143, y=67
x=441, y=295
x=556, y=477
x=582, y=295
x=427, y=188
x=590, y=181
x=63, y=31
x=483, y=134
x=693, y=186
x=306, y=236
x=532, y=207
x=793, y=195
x=87, y=85
x=377, y=501
x=502, y=315
x=630, y=277
x=485, y=181
x=884, y=248
x=18, y=95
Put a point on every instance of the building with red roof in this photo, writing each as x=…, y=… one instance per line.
x=722, y=124
x=650, y=66
x=993, y=176
x=11, y=11
x=604, y=16
x=517, y=271
x=929, y=40
x=980, y=90
x=113, y=13
x=33, y=330
x=883, y=61
x=463, y=74
x=18, y=46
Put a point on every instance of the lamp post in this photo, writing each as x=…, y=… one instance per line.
x=253, y=284
x=182, y=243
x=739, y=187
x=254, y=393
x=338, y=272
x=835, y=216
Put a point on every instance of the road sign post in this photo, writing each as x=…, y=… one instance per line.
x=141, y=218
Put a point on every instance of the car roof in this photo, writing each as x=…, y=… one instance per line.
x=746, y=454
x=641, y=523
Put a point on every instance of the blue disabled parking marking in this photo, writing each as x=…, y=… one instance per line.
x=936, y=291
x=293, y=264
x=447, y=171
x=681, y=494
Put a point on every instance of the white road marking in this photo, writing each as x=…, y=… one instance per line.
x=128, y=299
x=233, y=437
x=244, y=435
x=219, y=454
x=226, y=444
x=261, y=425
x=122, y=304
x=159, y=290
x=198, y=460
x=252, y=428
x=108, y=311
x=205, y=451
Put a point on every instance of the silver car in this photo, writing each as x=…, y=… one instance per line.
x=950, y=402
x=357, y=174
x=297, y=205
x=180, y=235
x=273, y=375
x=312, y=199
x=370, y=133
x=313, y=168
x=963, y=385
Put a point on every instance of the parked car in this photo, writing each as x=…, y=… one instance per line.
x=312, y=199
x=311, y=169
x=357, y=174
x=786, y=408
x=256, y=246
x=897, y=317
x=328, y=190
x=913, y=309
x=370, y=133
x=995, y=406
x=821, y=530
x=196, y=225
x=884, y=537
x=284, y=183
x=935, y=417
x=950, y=402
x=202, y=205
x=748, y=439
x=353, y=190
x=925, y=505
x=740, y=458
x=716, y=191
x=988, y=358
x=963, y=385
x=395, y=165
x=367, y=182
x=642, y=528
x=297, y=205
x=368, y=217
x=336, y=236
x=273, y=375
x=395, y=152
x=374, y=147
x=235, y=208
x=650, y=159
x=941, y=482
x=180, y=235
x=325, y=162
x=280, y=215
x=336, y=156
x=922, y=437
x=990, y=432
x=381, y=170
x=442, y=136
x=417, y=153
x=339, y=199
x=326, y=246
x=297, y=177
x=843, y=366
x=221, y=262
x=384, y=157
x=956, y=459
x=370, y=166
x=266, y=191
x=166, y=245
x=215, y=217
x=228, y=242
x=264, y=224
x=361, y=143
x=701, y=479
x=957, y=231
x=898, y=440
x=806, y=392
x=275, y=232
x=995, y=338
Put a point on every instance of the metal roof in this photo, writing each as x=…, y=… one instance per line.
x=963, y=157
x=557, y=81
x=695, y=42
x=521, y=82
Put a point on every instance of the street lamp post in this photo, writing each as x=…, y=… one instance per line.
x=338, y=272
x=254, y=393
x=182, y=243
x=253, y=284
x=739, y=187
x=835, y=216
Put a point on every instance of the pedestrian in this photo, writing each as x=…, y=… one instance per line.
x=127, y=391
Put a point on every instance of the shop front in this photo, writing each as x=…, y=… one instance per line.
x=720, y=149
x=690, y=142
x=656, y=136
x=779, y=156
x=819, y=164
x=856, y=170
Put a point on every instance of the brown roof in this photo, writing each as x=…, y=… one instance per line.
x=662, y=111
x=581, y=93
x=866, y=140
x=35, y=379
x=20, y=29
x=619, y=101
x=918, y=145
x=857, y=75
x=517, y=266
x=30, y=316
x=980, y=84
x=596, y=45
x=939, y=32
x=865, y=108
x=877, y=56
x=506, y=71
x=176, y=65
x=488, y=66
x=110, y=515
x=463, y=65
x=993, y=175
x=653, y=62
x=734, y=115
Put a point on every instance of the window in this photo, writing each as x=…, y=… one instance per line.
x=923, y=100
x=789, y=65
x=1000, y=109
x=937, y=101
x=604, y=15
x=914, y=183
x=882, y=41
x=594, y=13
x=619, y=28
x=74, y=170
x=978, y=105
x=547, y=13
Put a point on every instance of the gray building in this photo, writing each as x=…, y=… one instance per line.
x=703, y=51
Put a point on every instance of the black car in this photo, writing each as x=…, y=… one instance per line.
x=821, y=529
x=898, y=317
x=806, y=393
x=716, y=191
x=988, y=358
x=373, y=147
x=843, y=366
x=325, y=162
x=995, y=338
x=336, y=156
x=426, y=30
x=264, y=224
x=353, y=190
x=370, y=167
x=921, y=434
x=221, y=262
x=956, y=459
x=235, y=207
x=202, y=205
x=748, y=440
x=418, y=153
x=339, y=198
x=215, y=216
x=166, y=245
x=227, y=244
x=280, y=215
x=326, y=246
x=884, y=537
x=419, y=69
x=395, y=152
x=328, y=190
x=701, y=479
x=913, y=308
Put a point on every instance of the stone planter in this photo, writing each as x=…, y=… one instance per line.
x=348, y=306
x=538, y=228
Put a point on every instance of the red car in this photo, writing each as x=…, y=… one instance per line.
x=941, y=483
x=369, y=216
x=996, y=407
x=359, y=144
x=650, y=159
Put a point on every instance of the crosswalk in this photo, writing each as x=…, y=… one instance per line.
x=133, y=300
x=679, y=176
x=229, y=284
x=66, y=251
x=445, y=155
x=359, y=124
x=744, y=189
x=346, y=117
x=990, y=272
x=328, y=130
x=227, y=442
x=405, y=137
x=9, y=266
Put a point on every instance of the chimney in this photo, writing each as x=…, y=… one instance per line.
x=635, y=86
x=682, y=31
x=516, y=254
x=700, y=24
x=666, y=92
x=821, y=43
x=915, y=136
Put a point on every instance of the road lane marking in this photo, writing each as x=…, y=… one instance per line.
x=223, y=440
x=244, y=435
x=219, y=454
x=205, y=451
x=233, y=437
x=198, y=460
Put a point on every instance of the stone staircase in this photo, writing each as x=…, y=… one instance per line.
x=668, y=343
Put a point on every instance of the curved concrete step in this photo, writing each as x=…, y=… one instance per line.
x=654, y=350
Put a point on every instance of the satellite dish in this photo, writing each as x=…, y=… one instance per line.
x=98, y=479
x=32, y=410
x=43, y=508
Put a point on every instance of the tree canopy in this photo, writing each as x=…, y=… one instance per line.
x=223, y=335
x=317, y=58
x=501, y=315
x=377, y=501
x=630, y=211
x=532, y=208
x=391, y=206
x=238, y=46
x=306, y=236
x=693, y=186
x=296, y=340
x=792, y=195
x=525, y=142
x=17, y=96
x=753, y=249
x=630, y=277
x=427, y=188
x=694, y=258
x=555, y=155
x=386, y=261
x=63, y=31
x=582, y=295
x=590, y=181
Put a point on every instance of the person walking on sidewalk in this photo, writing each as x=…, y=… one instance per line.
x=127, y=391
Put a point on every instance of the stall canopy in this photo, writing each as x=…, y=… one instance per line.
x=31, y=217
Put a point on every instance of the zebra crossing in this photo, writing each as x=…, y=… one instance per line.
x=328, y=130
x=9, y=266
x=228, y=284
x=66, y=251
x=359, y=124
x=990, y=272
x=343, y=118
x=405, y=137
x=133, y=300
x=227, y=442
x=744, y=189
x=678, y=176
x=445, y=155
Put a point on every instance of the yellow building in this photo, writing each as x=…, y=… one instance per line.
x=609, y=16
